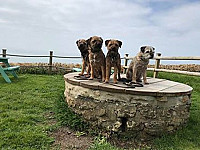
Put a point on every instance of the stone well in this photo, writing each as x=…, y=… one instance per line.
x=160, y=107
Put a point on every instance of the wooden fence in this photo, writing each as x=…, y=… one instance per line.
x=50, y=56
x=158, y=59
x=126, y=58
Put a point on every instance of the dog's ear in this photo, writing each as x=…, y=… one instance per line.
x=101, y=40
x=120, y=43
x=77, y=42
x=142, y=49
x=106, y=42
x=88, y=41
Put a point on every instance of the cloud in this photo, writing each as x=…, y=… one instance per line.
x=178, y=29
x=35, y=26
x=3, y=21
x=182, y=19
x=8, y=10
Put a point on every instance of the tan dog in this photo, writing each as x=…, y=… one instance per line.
x=113, y=59
x=96, y=57
x=83, y=47
x=138, y=66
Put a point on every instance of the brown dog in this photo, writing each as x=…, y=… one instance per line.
x=113, y=59
x=83, y=47
x=96, y=57
x=138, y=66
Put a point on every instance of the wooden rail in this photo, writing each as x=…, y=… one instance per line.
x=178, y=58
x=126, y=58
x=50, y=56
x=171, y=58
x=175, y=71
x=158, y=58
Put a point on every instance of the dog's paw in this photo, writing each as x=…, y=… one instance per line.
x=106, y=81
x=87, y=76
x=115, y=82
x=133, y=82
x=139, y=80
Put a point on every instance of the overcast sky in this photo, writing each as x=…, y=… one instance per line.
x=37, y=26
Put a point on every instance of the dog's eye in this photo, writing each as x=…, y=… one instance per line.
x=94, y=41
x=147, y=51
x=116, y=45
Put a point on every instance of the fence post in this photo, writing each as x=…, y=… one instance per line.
x=50, y=61
x=4, y=52
x=125, y=63
x=157, y=64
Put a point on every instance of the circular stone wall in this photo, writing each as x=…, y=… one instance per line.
x=157, y=108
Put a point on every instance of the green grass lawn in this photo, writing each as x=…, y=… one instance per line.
x=187, y=138
x=25, y=105
x=28, y=106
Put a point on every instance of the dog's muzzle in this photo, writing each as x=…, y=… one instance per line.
x=98, y=47
x=82, y=46
x=114, y=49
x=94, y=50
x=151, y=56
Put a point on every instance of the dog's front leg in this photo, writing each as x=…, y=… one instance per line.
x=145, y=77
x=88, y=69
x=92, y=72
x=119, y=70
x=103, y=70
x=108, y=70
x=83, y=68
x=115, y=74
x=129, y=74
x=134, y=74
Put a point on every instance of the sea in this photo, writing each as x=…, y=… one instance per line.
x=79, y=61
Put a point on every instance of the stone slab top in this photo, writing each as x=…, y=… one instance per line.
x=156, y=87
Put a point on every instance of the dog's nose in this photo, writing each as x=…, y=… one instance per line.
x=98, y=44
x=113, y=48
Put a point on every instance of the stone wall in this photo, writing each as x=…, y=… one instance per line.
x=140, y=116
x=182, y=67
